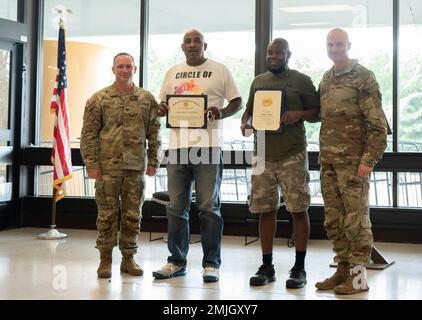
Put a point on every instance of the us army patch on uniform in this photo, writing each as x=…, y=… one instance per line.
x=88, y=102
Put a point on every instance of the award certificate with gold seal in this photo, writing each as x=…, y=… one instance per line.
x=187, y=111
x=267, y=109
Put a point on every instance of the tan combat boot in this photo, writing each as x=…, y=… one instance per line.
x=355, y=283
x=104, y=270
x=129, y=265
x=341, y=275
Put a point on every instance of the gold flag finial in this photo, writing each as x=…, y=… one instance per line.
x=62, y=12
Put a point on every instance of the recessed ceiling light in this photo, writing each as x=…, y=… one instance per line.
x=327, y=8
x=309, y=24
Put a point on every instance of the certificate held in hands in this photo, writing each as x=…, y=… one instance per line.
x=267, y=110
x=187, y=111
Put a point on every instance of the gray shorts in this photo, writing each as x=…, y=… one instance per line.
x=291, y=176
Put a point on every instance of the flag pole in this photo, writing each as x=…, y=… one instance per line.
x=53, y=233
x=53, y=209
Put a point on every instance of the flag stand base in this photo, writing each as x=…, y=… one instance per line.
x=52, y=234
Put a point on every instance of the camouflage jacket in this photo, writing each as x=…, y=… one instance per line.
x=353, y=125
x=115, y=130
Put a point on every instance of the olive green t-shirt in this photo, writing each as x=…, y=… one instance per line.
x=300, y=96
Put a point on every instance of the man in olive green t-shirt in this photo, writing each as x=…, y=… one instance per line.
x=286, y=162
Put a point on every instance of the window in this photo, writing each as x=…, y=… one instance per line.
x=380, y=189
x=9, y=9
x=92, y=40
x=228, y=27
x=91, y=43
x=5, y=185
x=410, y=77
x=4, y=88
x=78, y=186
x=410, y=189
x=229, y=30
x=305, y=25
x=231, y=40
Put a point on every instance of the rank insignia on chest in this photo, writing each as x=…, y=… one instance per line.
x=134, y=98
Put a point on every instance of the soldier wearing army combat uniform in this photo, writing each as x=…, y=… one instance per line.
x=353, y=138
x=118, y=120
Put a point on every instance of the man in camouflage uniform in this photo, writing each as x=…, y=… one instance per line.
x=118, y=120
x=353, y=138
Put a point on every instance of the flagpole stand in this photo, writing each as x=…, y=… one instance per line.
x=52, y=234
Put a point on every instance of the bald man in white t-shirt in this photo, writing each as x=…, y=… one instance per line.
x=195, y=155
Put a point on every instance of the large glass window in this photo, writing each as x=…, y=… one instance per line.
x=380, y=189
x=94, y=35
x=410, y=189
x=9, y=9
x=4, y=88
x=5, y=185
x=410, y=77
x=92, y=41
x=228, y=27
x=231, y=40
x=79, y=186
x=305, y=25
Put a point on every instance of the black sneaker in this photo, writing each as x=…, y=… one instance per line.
x=265, y=274
x=297, y=278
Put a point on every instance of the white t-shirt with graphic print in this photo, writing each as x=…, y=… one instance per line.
x=212, y=79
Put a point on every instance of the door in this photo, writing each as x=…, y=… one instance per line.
x=7, y=107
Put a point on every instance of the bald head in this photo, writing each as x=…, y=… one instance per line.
x=338, y=33
x=193, y=47
x=194, y=32
x=338, y=46
x=278, y=55
x=280, y=43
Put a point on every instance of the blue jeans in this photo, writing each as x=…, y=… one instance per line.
x=207, y=179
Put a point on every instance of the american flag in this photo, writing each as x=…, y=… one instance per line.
x=61, y=152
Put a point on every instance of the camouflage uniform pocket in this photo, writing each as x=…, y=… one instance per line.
x=99, y=191
x=99, y=187
x=305, y=192
x=355, y=188
x=249, y=199
x=358, y=198
x=336, y=113
x=366, y=221
x=304, y=199
x=365, y=218
x=364, y=202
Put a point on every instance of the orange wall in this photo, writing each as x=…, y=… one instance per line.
x=88, y=70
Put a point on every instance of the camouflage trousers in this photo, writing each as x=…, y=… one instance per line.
x=113, y=192
x=347, y=222
x=291, y=176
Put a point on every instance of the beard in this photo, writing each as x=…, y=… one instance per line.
x=280, y=69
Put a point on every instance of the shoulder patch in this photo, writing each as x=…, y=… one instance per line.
x=89, y=102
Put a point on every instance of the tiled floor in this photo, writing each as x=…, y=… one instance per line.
x=66, y=269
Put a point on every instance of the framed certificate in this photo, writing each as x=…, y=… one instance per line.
x=268, y=108
x=186, y=111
